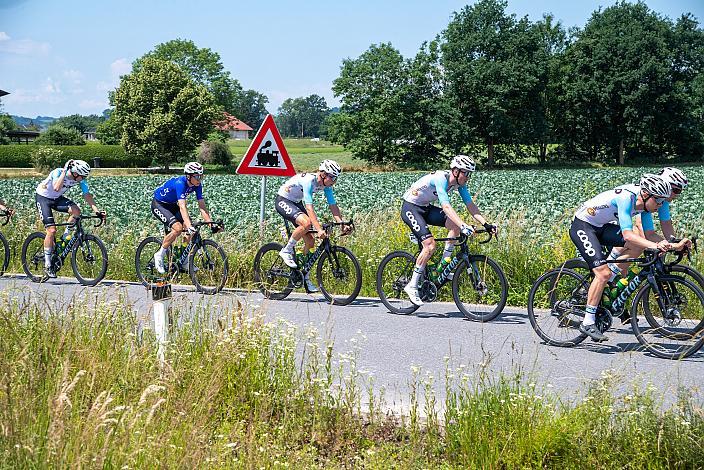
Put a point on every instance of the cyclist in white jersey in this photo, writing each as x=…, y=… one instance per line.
x=294, y=202
x=607, y=219
x=50, y=196
x=418, y=212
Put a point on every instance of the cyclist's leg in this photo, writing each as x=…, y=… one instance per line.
x=438, y=218
x=295, y=213
x=44, y=207
x=169, y=215
x=415, y=217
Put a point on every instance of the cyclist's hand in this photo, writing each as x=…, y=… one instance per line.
x=664, y=245
x=190, y=230
x=322, y=234
x=491, y=228
x=683, y=245
x=215, y=228
x=68, y=165
x=347, y=229
x=466, y=230
x=10, y=212
x=101, y=213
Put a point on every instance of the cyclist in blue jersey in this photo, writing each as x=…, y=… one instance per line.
x=169, y=207
x=294, y=202
x=607, y=219
x=417, y=212
x=50, y=197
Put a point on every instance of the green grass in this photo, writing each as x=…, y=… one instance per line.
x=81, y=389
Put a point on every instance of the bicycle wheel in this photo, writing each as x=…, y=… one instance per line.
x=556, y=304
x=685, y=272
x=393, y=274
x=339, y=275
x=207, y=267
x=89, y=260
x=4, y=254
x=480, y=289
x=271, y=275
x=668, y=327
x=144, y=262
x=33, y=257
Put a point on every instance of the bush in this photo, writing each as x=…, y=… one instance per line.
x=45, y=159
x=111, y=156
x=214, y=152
x=60, y=135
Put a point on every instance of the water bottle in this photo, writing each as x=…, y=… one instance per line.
x=443, y=264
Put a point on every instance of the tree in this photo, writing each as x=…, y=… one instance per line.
x=80, y=123
x=60, y=135
x=161, y=112
x=250, y=107
x=6, y=124
x=108, y=132
x=302, y=117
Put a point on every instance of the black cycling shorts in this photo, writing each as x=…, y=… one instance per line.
x=45, y=205
x=166, y=213
x=589, y=240
x=288, y=209
x=418, y=218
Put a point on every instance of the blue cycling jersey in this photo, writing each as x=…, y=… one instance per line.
x=176, y=189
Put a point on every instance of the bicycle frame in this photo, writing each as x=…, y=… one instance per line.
x=76, y=238
x=324, y=245
x=196, y=240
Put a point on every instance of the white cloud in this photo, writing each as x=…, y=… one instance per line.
x=120, y=67
x=22, y=46
x=74, y=75
x=51, y=86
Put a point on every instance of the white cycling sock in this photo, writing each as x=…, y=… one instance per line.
x=161, y=251
x=47, y=257
x=613, y=266
x=291, y=245
x=449, y=248
x=417, y=273
x=590, y=316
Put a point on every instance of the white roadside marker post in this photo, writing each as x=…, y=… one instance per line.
x=161, y=297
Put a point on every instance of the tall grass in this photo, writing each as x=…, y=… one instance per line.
x=81, y=388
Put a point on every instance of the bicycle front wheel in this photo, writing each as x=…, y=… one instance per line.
x=685, y=272
x=394, y=272
x=4, y=254
x=479, y=288
x=89, y=260
x=271, y=275
x=208, y=267
x=33, y=257
x=556, y=304
x=339, y=275
x=669, y=326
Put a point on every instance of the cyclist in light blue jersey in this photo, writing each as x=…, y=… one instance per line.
x=169, y=207
x=294, y=202
x=50, y=197
x=418, y=212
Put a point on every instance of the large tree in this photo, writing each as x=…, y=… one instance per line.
x=80, y=123
x=303, y=116
x=161, y=112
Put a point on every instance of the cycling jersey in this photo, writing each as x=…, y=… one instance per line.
x=433, y=187
x=176, y=189
x=46, y=187
x=302, y=186
x=618, y=205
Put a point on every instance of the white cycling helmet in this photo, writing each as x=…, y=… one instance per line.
x=655, y=185
x=80, y=168
x=193, y=168
x=464, y=163
x=331, y=167
x=674, y=176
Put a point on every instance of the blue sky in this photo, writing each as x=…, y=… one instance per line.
x=62, y=57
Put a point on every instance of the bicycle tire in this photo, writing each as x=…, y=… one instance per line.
x=398, y=282
x=463, y=272
x=5, y=257
x=37, y=257
x=667, y=333
x=568, y=318
x=195, y=267
x=277, y=270
x=330, y=258
x=103, y=268
x=684, y=271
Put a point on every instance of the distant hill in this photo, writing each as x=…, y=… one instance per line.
x=42, y=121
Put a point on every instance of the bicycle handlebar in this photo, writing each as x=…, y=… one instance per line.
x=100, y=217
x=328, y=226
x=8, y=215
x=464, y=238
x=212, y=223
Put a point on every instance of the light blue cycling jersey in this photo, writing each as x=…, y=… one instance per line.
x=301, y=187
x=433, y=187
x=618, y=205
x=46, y=187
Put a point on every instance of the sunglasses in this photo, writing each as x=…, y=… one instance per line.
x=333, y=178
x=676, y=190
x=198, y=177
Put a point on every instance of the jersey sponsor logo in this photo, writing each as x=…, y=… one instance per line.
x=413, y=221
x=159, y=214
x=164, y=192
x=591, y=211
x=414, y=192
x=285, y=207
x=588, y=247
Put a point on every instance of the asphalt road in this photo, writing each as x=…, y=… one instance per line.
x=390, y=346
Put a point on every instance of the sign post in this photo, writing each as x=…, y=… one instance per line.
x=161, y=296
x=266, y=156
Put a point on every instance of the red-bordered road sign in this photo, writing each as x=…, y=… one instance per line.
x=266, y=155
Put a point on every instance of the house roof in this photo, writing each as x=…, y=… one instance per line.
x=231, y=123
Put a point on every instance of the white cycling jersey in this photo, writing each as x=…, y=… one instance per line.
x=301, y=187
x=432, y=187
x=46, y=187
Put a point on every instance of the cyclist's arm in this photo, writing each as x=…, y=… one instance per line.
x=313, y=217
x=91, y=202
x=204, y=210
x=58, y=176
x=624, y=204
x=184, y=213
x=440, y=184
x=336, y=214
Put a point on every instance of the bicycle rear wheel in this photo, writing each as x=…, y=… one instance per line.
x=479, y=288
x=271, y=275
x=33, y=257
x=144, y=262
x=668, y=327
x=207, y=267
x=89, y=260
x=393, y=274
x=4, y=254
x=556, y=304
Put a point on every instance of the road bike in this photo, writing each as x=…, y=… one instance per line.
x=338, y=272
x=202, y=258
x=667, y=311
x=89, y=257
x=479, y=286
x=4, y=245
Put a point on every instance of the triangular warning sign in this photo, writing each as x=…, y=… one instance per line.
x=267, y=155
